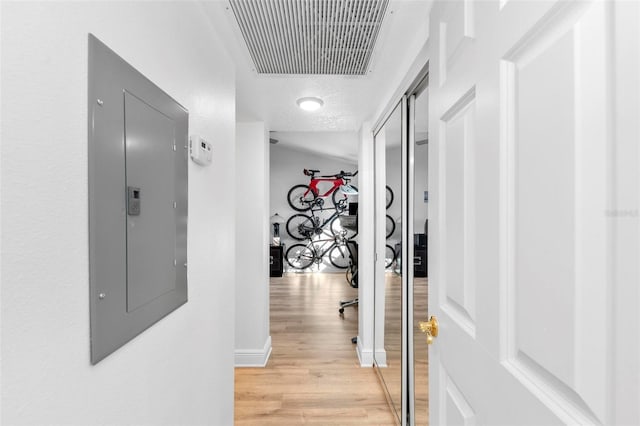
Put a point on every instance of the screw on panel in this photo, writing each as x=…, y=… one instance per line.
x=100, y=102
x=102, y=296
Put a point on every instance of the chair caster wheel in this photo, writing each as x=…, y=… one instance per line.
x=341, y=310
x=354, y=340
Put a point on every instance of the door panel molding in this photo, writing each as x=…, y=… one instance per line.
x=457, y=135
x=457, y=30
x=555, y=169
x=455, y=408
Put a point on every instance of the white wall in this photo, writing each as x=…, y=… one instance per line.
x=286, y=166
x=253, y=343
x=180, y=371
x=366, y=249
x=420, y=210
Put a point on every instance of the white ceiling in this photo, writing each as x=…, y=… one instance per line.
x=338, y=145
x=348, y=100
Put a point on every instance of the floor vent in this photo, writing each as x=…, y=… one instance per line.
x=310, y=36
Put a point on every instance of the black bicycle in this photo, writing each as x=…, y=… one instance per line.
x=389, y=256
x=302, y=226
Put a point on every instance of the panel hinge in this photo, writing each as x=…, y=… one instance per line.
x=174, y=148
x=175, y=205
x=175, y=262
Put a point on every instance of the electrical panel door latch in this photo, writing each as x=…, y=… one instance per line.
x=133, y=201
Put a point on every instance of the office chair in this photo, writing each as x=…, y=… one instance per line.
x=352, y=279
x=352, y=274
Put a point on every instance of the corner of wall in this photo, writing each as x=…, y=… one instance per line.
x=365, y=355
x=252, y=251
x=253, y=357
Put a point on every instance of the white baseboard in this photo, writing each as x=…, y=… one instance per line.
x=253, y=357
x=381, y=357
x=364, y=355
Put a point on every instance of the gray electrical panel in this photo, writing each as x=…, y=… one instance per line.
x=138, y=139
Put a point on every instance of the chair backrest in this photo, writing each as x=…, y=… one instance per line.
x=353, y=208
x=353, y=263
x=353, y=251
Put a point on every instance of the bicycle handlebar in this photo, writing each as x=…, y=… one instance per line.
x=311, y=172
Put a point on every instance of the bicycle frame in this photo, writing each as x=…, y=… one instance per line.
x=326, y=221
x=313, y=185
x=321, y=246
x=315, y=225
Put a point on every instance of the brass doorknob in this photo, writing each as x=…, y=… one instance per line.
x=430, y=328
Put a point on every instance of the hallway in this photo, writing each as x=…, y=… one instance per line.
x=313, y=375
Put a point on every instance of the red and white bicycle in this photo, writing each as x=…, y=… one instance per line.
x=304, y=197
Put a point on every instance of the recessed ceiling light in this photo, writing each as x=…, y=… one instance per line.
x=310, y=103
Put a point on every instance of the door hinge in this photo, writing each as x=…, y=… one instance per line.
x=175, y=205
x=175, y=262
x=174, y=148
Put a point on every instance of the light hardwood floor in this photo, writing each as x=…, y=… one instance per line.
x=313, y=375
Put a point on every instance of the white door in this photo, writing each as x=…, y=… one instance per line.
x=534, y=184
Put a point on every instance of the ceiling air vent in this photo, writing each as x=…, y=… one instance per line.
x=310, y=36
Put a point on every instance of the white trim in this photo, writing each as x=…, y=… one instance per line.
x=411, y=74
x=365, y=356
x=381, y=358
x=366, y=249
x=253, y=357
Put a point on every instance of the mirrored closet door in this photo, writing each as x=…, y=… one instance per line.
x=401, y=164
x=388, y=354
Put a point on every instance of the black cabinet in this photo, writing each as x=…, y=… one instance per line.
x=419, y=256
x=419, y=261
x=276, y=257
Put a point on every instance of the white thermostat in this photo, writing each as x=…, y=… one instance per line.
x=200, y=150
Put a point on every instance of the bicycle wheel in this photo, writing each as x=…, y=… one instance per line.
x=389, y=256
x=389, y=196
x=339, y=256
x=301, y=197
x=391, y=226
x=342, y=199
x=337, y=229
x=300, y=256
x=300, y=227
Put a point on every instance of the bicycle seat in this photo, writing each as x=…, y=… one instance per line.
x=310, y=172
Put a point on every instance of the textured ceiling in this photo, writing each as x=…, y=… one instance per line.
x=338, y=145
x=348, y=100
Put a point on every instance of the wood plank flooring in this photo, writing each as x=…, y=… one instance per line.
x=313, y=375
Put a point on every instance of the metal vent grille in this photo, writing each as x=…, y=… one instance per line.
x=310, y=36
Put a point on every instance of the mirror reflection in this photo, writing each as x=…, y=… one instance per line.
x=388, y=323
x=420, y=218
